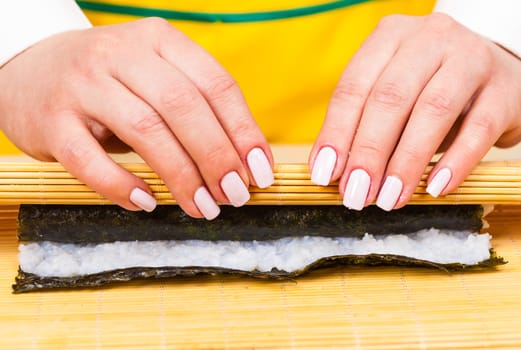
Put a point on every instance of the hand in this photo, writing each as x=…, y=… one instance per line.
x=148, y=85
x=417, y=83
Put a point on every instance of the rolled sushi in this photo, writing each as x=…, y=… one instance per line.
x=86, y=246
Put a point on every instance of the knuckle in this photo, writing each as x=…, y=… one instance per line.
x=99, y=47
x=482, y=130
x=484, y=51
x=439, y=27
x=220, y=87
x=244, y=130
x=389, y=21
x=389, y=95
x=103, y=45
x=156, y=24
x=180, y=102
x=183, y=172
x=369, y=148
x=484, y=125
x=216, y=155
x=80, y=158
x=412, y=154
x=439, y=22
x=437, y=104
x=485, y=54
x=74, y=152
x=349, y=91
x=146, y=123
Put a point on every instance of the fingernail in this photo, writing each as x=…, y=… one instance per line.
x=142, y=199
x=439, y=182
x=260, y=168
x=234, y=188
x=389, y=193
x=206, y=204
x=357, y=189
x=323, y=166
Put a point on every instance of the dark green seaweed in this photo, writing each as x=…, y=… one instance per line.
x=27, y=282
x=98, y=224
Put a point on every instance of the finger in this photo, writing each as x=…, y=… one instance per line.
x=188, y=116
x=226, y=101
x=435, y=113
x=330, y=151
x=386, y=112
x=81, y=154
x=480, y=129
x=139, y=126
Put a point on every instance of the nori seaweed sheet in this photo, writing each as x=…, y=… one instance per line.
x=27, y=282
x=98, y=224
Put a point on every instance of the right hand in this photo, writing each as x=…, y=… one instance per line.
x=148, y=85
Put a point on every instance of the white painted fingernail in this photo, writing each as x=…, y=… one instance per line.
x=142, y=199
x=235, y=190
x=323, y=166
x=260, y=168
x=357, y=189
x=439, y=182
x=206, y=204
x=389, y=193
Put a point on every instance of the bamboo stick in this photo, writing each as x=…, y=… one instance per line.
x=287, y=185
x=511, y=167
x=497, y=182
x=485, y=183
x=7, y=173
x=256, y=198
x=74, y=190
x=276, y=201
x=289, y=179
x=7, y=177
x=514, y=168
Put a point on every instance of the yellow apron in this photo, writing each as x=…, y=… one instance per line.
x=286, y=55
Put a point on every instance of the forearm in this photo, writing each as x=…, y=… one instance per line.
x=25, y=22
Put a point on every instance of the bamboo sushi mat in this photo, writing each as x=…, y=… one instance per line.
x=495, y=182
x=351, y=308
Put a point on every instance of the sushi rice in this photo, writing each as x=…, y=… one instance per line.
x=50, y=259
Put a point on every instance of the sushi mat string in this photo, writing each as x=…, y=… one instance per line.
x=50, y=183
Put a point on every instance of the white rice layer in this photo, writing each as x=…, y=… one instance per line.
x=287, y=254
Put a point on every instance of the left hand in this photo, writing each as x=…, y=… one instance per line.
x=417, y=85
